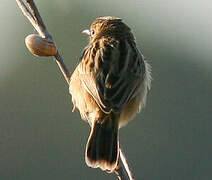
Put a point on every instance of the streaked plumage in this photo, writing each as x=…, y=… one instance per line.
x=108, y=87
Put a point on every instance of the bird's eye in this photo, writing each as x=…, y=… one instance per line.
x=92, y=32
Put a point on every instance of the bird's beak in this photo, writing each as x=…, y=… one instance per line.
x=86, y=32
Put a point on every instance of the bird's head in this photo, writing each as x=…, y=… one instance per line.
x=108, y=27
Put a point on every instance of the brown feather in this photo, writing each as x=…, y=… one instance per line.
x=108, y=87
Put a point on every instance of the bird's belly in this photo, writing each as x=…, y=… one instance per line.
x=129, y=111
x=83, y=101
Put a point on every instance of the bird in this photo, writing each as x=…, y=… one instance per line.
x=108, y=87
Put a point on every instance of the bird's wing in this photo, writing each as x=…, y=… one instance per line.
x=114, y=76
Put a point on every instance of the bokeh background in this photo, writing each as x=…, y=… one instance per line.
x=40, y=138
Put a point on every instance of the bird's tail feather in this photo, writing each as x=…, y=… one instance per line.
x=102, y=149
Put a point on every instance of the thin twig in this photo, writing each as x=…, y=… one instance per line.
x=39, y=22
x=26, y=12
x=35, y=19
x=123, y=171
x=62, y=66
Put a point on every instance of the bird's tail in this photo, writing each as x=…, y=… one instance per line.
x=102, y=149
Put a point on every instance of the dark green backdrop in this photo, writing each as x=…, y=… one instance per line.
x=40, y=138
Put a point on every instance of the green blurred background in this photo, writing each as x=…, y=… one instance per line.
x=40, y=138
